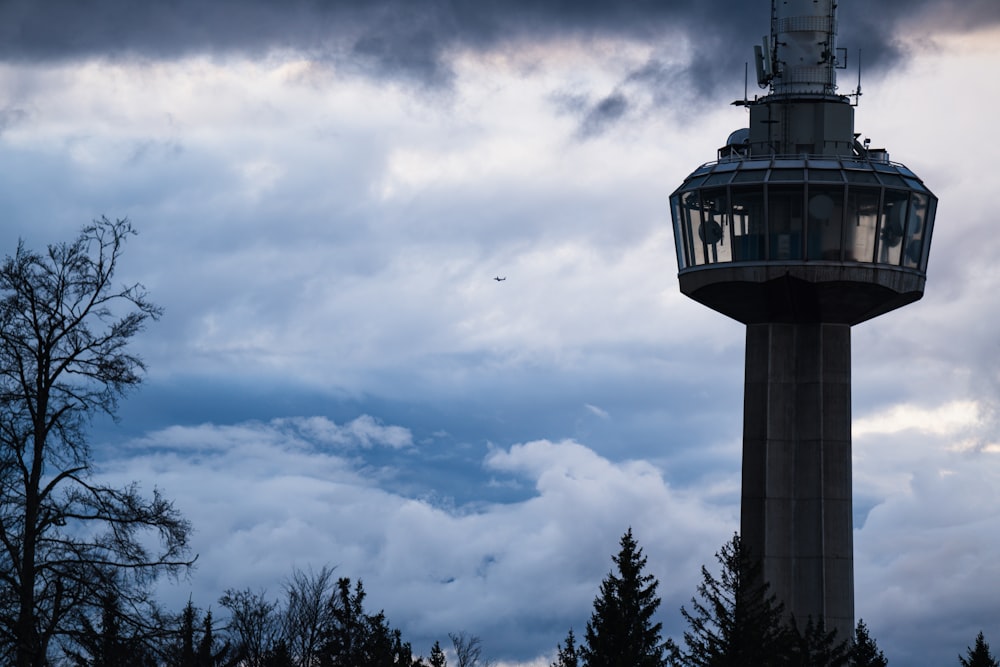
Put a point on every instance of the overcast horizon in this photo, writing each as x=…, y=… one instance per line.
x=324, y=194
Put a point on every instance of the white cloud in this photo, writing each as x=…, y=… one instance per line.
x=265, y=498
x=946, y=419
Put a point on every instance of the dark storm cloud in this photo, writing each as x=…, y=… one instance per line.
x=702, y=46
x=604, y=113
x=411, y=38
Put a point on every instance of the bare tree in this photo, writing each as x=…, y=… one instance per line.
x=65, y=539
x=469, y=650
x=254, y=625
x=309, y=614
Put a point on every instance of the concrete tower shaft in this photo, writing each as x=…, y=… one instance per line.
x=800, y=231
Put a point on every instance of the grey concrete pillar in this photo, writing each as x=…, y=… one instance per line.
x=796, y=500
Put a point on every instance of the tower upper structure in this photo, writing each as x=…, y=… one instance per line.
x=800, y=231
x=796, y=219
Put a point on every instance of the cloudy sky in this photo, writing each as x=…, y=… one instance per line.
x=324, y=193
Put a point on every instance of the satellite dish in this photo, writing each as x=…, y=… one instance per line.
x=710, y=232
x=821, y=207
x=740, y=137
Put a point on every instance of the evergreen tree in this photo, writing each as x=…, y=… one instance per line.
x=437, y=656
x=568, y=655
x=187, y=655
x=344, y=643
x=279, y=656
x=865, y=653
x=357, y=639
x=621, y=631
x=979, y=655
x=193, y=642
x=109, y=643
x=736, y=622
x=814, y=646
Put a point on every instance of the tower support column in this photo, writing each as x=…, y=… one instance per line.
x=796, y=513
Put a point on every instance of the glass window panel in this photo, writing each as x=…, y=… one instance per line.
x=691, y=210
x=726, y=166
x=781, y=164
x=784, y=213
x=825, y=175
x=884, y=167
x=714, y=231
x=693, y=182
x=748, y=221
x=826, y=223
x=928, y=231
x=675, y=209
x=750, y=175
x=915, y=184
x=787, y=175
x=892, y=226
x=914, y=240
x=718, y=178
x=824, y=164
x=892, y=179
x=862, y=219
x=861, y=177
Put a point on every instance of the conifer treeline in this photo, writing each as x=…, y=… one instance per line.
x=320, y=620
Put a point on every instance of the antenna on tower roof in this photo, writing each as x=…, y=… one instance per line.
x=764, y=62
x=857, y=91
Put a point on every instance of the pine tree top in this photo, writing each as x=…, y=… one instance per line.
x=979, y=655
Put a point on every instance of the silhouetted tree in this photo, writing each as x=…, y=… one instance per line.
x=358, y=639
x=111, y=642
x=187, y=641
x=308, y=616
x=865, y=652
x=279, y=656
x=384, y=646
x=814, y=646
x=437, y=658
x=621, y=631
x=736, y=621
x=254, y=625
x=211, y=652
x=468, y=650
x=979, y=655
x=567, y=653
x=66, y=539
x=196, y=644
x=345, y=640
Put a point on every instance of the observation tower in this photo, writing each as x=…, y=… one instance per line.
x=800, y=231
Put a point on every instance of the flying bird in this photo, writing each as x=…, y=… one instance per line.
x=499, y=279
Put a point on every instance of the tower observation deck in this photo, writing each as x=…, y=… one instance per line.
x=800, y=231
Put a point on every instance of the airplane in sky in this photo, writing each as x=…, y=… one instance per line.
x=499, y=279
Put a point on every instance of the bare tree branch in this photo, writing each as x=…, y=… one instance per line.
x=67, y=542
